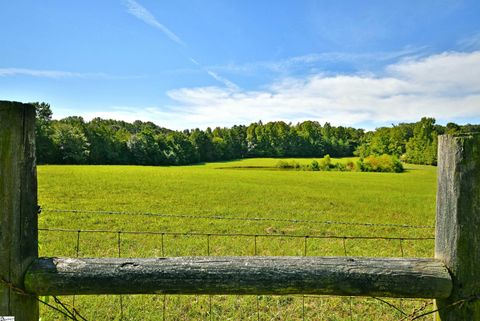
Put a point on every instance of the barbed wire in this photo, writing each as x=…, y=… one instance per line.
x=71, y=314
x=208, y=236
x=305, y=237
x=345, y=237
x=218, y=217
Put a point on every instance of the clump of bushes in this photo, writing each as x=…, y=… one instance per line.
x=324, y=164
x=383, y=163
x=288, y=165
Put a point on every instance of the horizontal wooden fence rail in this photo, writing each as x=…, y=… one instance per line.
x=354, y=276
x=451, y=278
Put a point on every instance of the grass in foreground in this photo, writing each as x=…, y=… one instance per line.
x=216, y=189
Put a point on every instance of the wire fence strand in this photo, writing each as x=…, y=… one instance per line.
x=229, y=218
x=260, y=310
x=344, y=237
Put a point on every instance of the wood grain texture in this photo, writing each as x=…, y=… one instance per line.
x=18, y=206
x=387, y=277
x=457, y=241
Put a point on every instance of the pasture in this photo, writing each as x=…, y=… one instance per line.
x=233, y=208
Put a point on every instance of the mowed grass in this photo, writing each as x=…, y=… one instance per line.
x=220, y=190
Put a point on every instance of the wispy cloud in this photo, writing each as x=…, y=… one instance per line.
x=140, y=12
x=56, y=74
x=229, y=84
x=383, y=56
x=445, y=86
x=291, y=64
x=471, y=42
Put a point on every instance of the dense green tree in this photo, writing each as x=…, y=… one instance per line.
x=386, y=140
x=422, y=147
x=469, y=128
x=105, y=141
x=45, y=149
x=70, y=142
x=452, y=128
x=144, y=148
x=105, y=148
x=236, y=142
x=310, y=140
x=203, y=145
x=180, y=149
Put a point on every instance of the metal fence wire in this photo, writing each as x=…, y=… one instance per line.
x=134, y=243
x=230, y=218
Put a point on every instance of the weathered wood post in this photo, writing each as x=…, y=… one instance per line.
x=457, y=241
x=18, y=208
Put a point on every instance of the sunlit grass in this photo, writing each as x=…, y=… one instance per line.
x=212, y=189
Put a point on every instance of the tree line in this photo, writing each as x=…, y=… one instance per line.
x=414, y=143
x=72, y=140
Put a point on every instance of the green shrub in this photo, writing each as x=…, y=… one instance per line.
x=304, y=167
x=286, y=165
x=295, y=165
x=315, y=166
x=341, y=167
x=282, y=164
x=383, y=163
x=327, y=160
x=326, y=163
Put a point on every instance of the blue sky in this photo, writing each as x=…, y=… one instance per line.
x=198, y=63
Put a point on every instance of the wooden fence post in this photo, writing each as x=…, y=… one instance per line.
x=457, y=241
x=18, y=208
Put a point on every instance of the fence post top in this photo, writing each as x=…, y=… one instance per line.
x=460, y=135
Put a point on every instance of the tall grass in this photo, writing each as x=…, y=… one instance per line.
x=218, y=189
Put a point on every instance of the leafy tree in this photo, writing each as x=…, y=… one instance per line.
x=105, y=146
x=70, y=143
x=386, y=140
x=105, y=141
x=235, y=140
x=45, y=149
x=422, y=147
x=180, y=149
x=203, y=145
x=144, y=148
x=453, y=128
x=469, y=128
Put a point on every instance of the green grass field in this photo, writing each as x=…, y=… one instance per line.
x=224, y=191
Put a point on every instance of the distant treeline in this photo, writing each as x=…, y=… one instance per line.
x=414, y=143
x=100, y=141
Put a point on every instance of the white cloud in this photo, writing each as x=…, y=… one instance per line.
x=448, y=73
x=4, y=72
x=140, y=12
x=443, y=86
